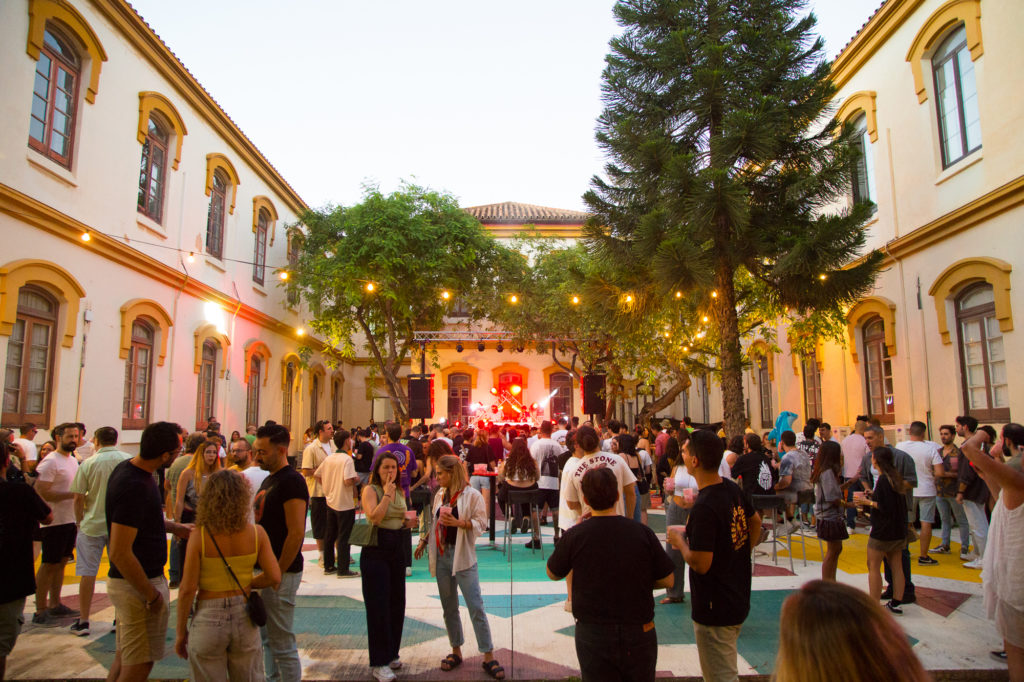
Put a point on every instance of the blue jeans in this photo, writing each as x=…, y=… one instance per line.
x=467, y=580
x=174, y=569
x=382, y=570
x=676, y=516
x=280, y=650
x=608, y=651
x=851, y=510
x=948, y=508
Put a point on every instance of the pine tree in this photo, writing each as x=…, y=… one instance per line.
x=728, y=178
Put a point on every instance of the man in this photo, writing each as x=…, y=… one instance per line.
x=545, y=452
x=720, y=536
x=90, y=490
x=855, y=448
x=966, y=426
x=363, y=455
x=794, y=476
x=319, y=449
x=85, y=448
x=338, y=479
x=242, y=462
x=438, y=433
x=810, y=443
x=973, y=494
x=21, y=509
x=615, y=635
x=213, y=432
x=946, y=484
x=138, y=551
x=26, y=443
x=559, y=435
x=825, y=433
x=928, y=466
x=590, y=457
x=660, y=437
x=280, y=507
x=753, y=469
x=250, y=433
x=56, y=473
x=406, y=470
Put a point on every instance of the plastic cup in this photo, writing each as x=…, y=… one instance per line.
x=688, y=495
x=446, y=509
x=411, y=514
x=479, y=468
x=670, y=485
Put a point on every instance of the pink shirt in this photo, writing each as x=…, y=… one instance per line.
x=854, y=448
x=659, y=444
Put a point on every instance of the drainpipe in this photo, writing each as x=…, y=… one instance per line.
x=86, y=321
x=906, y=331
x=227, y=360
x=173, y=331
x=927, y=368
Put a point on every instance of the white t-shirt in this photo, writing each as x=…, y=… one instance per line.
x=559, y=436
x=312, y=457
x=530, y=441
x=572, y=478
x=84, y=452
x=683, y=479
x=724, y=470
x=925, y=454
x=28, y=448
x=256, y=476
x=539, y=450
x=335, y=470
x=567, y=516
x=59, y=470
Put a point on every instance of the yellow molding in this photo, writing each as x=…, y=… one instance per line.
x=290, y=357
x=154, y=101
x=209, y=331
x=865, y=309
x=555, y=369
x=459, y=368
x=511, y=367
x=41, y=11
x=761, y=347
x=870, y=38
x=936, y=27
x=964, y=272
x=144, y=307
x=549, y=231
x=257, y=347
x=49, y=276
x=219, y=161
x=149, y=46
x=863, y=100
x=259, y=202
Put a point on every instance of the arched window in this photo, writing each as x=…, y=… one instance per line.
x=863, y=176
x=260, y=255
x=152, y=170
x=560, y=404
x=764, y=387
x=29, y=373
x=506, y=383
x=336, y=388
x=314, y=402
x=289, y=388
x=982, y=361
x=956, y=97
x=252, y=391
x=878, y=372
x=138, y=372
x=215, y=215
x=207, y=384
x=812, y=386
x=54, y=96
x=459, y=386
x=292, y=294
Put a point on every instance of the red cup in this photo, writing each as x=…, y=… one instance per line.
x=688, y=495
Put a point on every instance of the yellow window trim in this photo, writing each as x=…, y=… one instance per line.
x=513, y=367
x=215, y=161
x=290, y=357
x=555, y=369
x=967, y=12
x=49, y=276
x=209, y=331
x=259, y=202
x=144, y=307
x=42, y=11
x=861, y=101
x=970, y=271
x=868, y=308
x=154, y=101
x=459, y=368
x=761, y=348
x=257, y=347
x=317, y=370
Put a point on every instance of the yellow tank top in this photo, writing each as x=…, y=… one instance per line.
x=213, y=576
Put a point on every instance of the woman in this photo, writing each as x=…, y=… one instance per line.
x=624, y=446
x=382, y=567
x=520, y=473
x=428, y=481
x=205, y=462
x=829, y=507
x=459, y=517
x=831, y=631
x=222, y=642
x=888, y=526
x=45, y=449
x=677, y=511
x=734, y=450
x=481, y=453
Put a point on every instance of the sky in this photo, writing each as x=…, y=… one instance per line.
x=490, y=101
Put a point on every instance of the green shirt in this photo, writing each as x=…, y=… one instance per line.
x=174, y=473
x=91, y=481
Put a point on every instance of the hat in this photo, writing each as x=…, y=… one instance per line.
x=666, y=424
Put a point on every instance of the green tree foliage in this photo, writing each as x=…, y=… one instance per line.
x=411, y=246
x=728, y=180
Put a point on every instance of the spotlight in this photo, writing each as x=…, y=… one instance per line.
x=515, y=389
x=500, y=347
x=494, y=391
x=458, y=347
x=480, y=346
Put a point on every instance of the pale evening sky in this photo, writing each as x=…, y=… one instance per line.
x=491, y=101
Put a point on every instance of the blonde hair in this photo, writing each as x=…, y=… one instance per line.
x=831, y=631
x=224, y=506
x=197, y=465
x=454, y=466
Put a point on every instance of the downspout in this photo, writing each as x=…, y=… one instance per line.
x=227, y=359
x=86, y=321
x=177, y=296
x=906, y=330
x=927, y=368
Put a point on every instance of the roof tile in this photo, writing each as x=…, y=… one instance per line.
x=514, y=213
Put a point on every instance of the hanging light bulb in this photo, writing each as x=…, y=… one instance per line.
x=191, y=258
x=575, y=300
x=513, y=299
x=679, y=294
x=446, y=295
x=714, y=294
x=629, y=298
x=283, y=274
x=704, y=319
x=86, y=236
x=370, y=287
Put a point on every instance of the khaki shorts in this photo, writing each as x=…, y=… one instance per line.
x=140, y=633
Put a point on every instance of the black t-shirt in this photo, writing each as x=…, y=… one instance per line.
x=480, y=454
x=889, y=520
x=718, y=524
x=133, y=500
x=276, y=489
x=21, y=510
x=615, y=562
x=755, y=468
x=365, y=459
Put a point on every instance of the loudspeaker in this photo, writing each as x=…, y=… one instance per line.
x=421, y=398
x=593, y=394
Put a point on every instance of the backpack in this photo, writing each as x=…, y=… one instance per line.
x=549, y=465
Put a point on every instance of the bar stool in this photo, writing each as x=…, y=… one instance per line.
x=802, y=498
x=772, y=504
x=534, y=500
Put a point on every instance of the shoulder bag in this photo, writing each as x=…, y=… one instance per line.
x=365, y=534
x=254, y=605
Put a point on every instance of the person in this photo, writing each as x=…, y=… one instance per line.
x=27, y=446
x=137, y=529
x=235, y=435
x=615, y=634
x=717, y=543
x=85, y=447
x=363, y=455
x=589, y=457
x=337, y=478
x=825, y=630
x=222, y=642
x=928, y=464
x=90, y=489
x=794, y=476
x=21, y=509
x=828, y=505
x=973, y=494
x=1004, y=555
x=946, y=484
x=205, y=461
x=661, y=437
x=678, y=503
x=855, y=449
x=280, y=507
x=520, y=473
x=888, y=525
x=407, y=467
x=242, y=461
x=624, y=446
x=559, y=434
x=459, y=516
x=427, y=483
x=754, y=469
x=545, y=451
x=825, y=433
x=313, y=455
x=481, y=454
x=381, y=566
x=55, y=475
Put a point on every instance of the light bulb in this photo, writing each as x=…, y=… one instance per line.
x=370, y=287
x=86, y=236
x=283, y=275
x=191, y=257
x=513, y=299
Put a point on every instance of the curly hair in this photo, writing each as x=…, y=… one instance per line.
x=224, y=505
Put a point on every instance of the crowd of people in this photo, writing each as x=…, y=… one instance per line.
x=237, y=511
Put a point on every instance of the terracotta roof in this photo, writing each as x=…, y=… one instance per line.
x=859, y=30
x=514, y=213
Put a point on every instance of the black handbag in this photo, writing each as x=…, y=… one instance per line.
x=254, y=605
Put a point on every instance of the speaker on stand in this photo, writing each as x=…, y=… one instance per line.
x=421, y=398
x=593, y=394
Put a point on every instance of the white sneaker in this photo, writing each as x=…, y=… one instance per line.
x=977, y=564
x=383, y=674
x=395, y=664
x=408, y=571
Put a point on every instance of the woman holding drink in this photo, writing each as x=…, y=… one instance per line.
x=680, y=492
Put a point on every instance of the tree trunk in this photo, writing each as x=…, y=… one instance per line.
x=666, y=399
x=399, y=401
x=729, y=354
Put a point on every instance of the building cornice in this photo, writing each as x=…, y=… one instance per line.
x=878, y=29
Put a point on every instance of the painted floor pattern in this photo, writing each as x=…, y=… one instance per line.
x=532, y=633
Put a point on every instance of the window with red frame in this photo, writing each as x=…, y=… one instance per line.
x=215, y=215
x=152, y=170
x=54, y=95
x=137, y=374
x=260, y=256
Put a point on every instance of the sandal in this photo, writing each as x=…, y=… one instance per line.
x=672, y=600
x=452, y=661
x=494, y=669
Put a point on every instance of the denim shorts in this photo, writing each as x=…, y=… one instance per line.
x=925, y=507
x=90, y=553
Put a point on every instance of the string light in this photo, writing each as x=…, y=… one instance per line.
x=445, y=295
x=714, y=294
x=823, y=277
x=686, y=349
x=629, y=298
x=370, y=287
x=679, y=294
x=283, y=274
x=513, y=299
x=86, y=236
x=575, y=300
x=704, y=319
